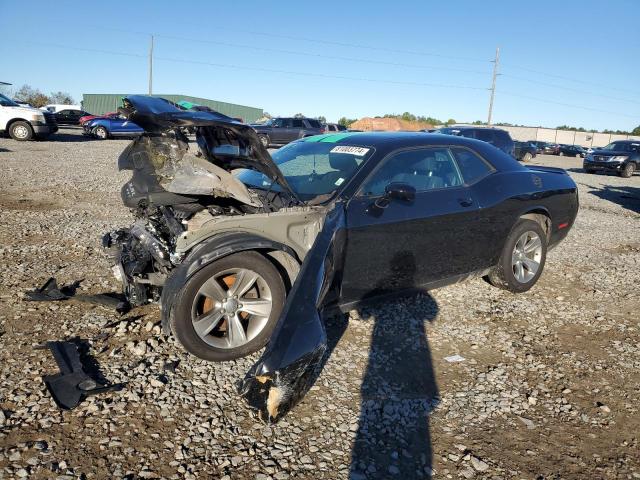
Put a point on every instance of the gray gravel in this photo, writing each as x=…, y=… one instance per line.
x=548, y=387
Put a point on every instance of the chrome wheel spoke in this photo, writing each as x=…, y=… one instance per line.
x=236, y=335
x=245, y=279
x=213, y=290
x=531, y=265
x=207, y=322
x=256, y=306
x=532, y=245
x=519, y=271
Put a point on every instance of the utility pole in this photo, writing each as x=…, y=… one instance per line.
x=493, y=84
x=151, y=67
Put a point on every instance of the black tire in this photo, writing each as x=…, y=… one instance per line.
x=561, y=154
x=627, y=170
x=264, y=139
x=502, y=275
x=181, y=322
x=21, y=131
x=589, y=170
x=100, y=132
x=527, y=157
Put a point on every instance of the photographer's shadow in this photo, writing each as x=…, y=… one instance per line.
x=399, y=389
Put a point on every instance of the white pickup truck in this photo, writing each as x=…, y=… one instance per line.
x=25, y=123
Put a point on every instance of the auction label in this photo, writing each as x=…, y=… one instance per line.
x=357, y=151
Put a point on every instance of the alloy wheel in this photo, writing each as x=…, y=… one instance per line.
x=526, y=256
x=231, y=308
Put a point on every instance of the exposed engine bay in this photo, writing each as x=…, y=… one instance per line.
x=183, y=192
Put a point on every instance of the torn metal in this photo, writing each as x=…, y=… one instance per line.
x=293, y=358
x=72, y=385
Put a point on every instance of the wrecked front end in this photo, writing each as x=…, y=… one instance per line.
x=294, y=356
x=177, y=184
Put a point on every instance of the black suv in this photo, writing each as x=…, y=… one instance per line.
x=495, y=136
x=280, y=131
x=525, y=151
x=621, y=157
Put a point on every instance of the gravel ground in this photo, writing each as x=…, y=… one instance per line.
x=548, y=384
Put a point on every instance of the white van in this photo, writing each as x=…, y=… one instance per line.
x=24, y=123
x=55, y=107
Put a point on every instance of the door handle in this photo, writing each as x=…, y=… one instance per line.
x=465, y=202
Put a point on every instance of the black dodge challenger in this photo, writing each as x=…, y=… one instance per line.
x=244, y=249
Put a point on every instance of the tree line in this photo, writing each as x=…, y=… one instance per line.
x=35, y=98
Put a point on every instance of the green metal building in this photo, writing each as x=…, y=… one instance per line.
x=99, y=103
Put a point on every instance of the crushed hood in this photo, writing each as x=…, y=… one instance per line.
x=227, y=143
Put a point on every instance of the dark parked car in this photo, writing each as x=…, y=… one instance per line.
x=334, y=127
x=572, y=151
x=546, y=148
x=525, y=151
x=621, y=157
x=238, y=260
x=495, y=136
x=69, y=116
x=112, y=126
x=280, y=131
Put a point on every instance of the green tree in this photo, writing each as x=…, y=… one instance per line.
x=299, y=115
x=346, y=121
x=63, y=98
x=32, y=96
x=451, y=121
x=636, y=131
x=321, y=119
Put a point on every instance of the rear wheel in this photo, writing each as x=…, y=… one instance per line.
x=627, y=170
x=527, y=157
x=101, y=133
x=21, y=131
x=229, y=308
x=561, y=154
x=522, y=259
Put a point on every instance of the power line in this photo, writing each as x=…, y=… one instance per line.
x=567, y=104
x=307, y=39
x=319, y=75
x=569, y=89
x=569, y=78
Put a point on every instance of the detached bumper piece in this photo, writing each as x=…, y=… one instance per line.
x=294, y=356
x=50, y=292
x=72, y=385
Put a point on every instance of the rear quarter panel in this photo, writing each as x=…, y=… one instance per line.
x=505, y=196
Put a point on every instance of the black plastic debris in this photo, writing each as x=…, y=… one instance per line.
x=73, y=384
x=50, y=292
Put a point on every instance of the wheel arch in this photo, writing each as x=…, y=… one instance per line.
x=214, y=248
x=541, y=216
x=17, y=119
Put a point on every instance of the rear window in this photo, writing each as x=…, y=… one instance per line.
x=298, y=123
x=314, y=123
x=473, y=167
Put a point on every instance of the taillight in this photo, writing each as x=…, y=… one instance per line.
x=322, y=130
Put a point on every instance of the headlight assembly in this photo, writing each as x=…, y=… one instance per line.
x=619, y=158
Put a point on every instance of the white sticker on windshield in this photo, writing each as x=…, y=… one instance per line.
x=357, y=151
x=339, y=181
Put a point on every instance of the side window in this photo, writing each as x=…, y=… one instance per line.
x=298, y=123
x=286, y=122
x=473, y=167
x=424, y=169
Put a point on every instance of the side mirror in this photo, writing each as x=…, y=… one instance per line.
x=400, y=191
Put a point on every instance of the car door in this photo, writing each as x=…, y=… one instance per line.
x=63, y=117
x=297, y=129
x=278, y=132
x=395, y=244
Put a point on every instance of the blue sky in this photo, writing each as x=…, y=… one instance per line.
x=392, y=56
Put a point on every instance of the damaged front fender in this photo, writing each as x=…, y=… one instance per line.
x=293, y=358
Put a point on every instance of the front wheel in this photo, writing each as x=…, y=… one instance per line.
x=229, y=308
x=21, y=131
x=522, y=259
x=561, y=154
x=627, y=170
x=527, y=157
x=101, y=133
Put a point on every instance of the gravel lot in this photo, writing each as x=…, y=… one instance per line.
x=548, y=387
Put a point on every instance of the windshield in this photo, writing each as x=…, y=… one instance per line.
x=7, y=102
x=618, y=146
x=311, y=168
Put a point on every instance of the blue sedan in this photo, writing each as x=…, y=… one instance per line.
x=106, y=127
